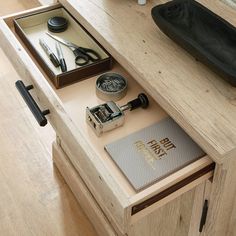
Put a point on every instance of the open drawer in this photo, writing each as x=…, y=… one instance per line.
x=121, y=204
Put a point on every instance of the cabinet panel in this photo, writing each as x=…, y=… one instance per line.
x=221, y=217
x=180, y=217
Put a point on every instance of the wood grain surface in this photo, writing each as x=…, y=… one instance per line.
x=34, y=199
x=198, y=99
x=174, y=218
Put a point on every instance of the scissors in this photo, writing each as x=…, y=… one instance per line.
x=82, y=55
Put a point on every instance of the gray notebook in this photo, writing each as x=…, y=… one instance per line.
x=154, y=152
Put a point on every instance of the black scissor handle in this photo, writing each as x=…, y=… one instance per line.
x=84, y=55
x=81, y=59
x=38, y=114
x=92, y=55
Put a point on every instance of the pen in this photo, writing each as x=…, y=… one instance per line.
x=49, y=52
x=61, y=58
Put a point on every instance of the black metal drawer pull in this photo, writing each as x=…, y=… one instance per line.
x=38, y=114
x=204, y=216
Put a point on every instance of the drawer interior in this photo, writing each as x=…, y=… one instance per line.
x=83, y=94
x=76, y=97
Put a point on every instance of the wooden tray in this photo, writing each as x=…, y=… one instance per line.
x=31, y=27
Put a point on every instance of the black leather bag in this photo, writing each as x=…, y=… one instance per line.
x=205, y=35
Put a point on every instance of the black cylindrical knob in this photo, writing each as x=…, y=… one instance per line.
x=141, y=101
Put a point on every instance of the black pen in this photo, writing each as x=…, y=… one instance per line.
x=49, y=52
x=61, y=58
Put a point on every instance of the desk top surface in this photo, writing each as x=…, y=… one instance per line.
x=198, y=99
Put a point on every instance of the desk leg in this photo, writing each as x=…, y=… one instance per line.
x=222, y=204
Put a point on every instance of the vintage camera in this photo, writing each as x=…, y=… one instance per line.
x=109, y=115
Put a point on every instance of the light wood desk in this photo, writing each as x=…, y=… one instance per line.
x=200, y=101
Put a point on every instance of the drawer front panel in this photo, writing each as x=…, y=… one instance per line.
x=205, y=173
x=149, y=209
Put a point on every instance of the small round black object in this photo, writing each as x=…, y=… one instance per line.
x=141, y=101
x=144, y=100
x=57, y=24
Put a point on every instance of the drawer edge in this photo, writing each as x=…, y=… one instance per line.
x=173, y=189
